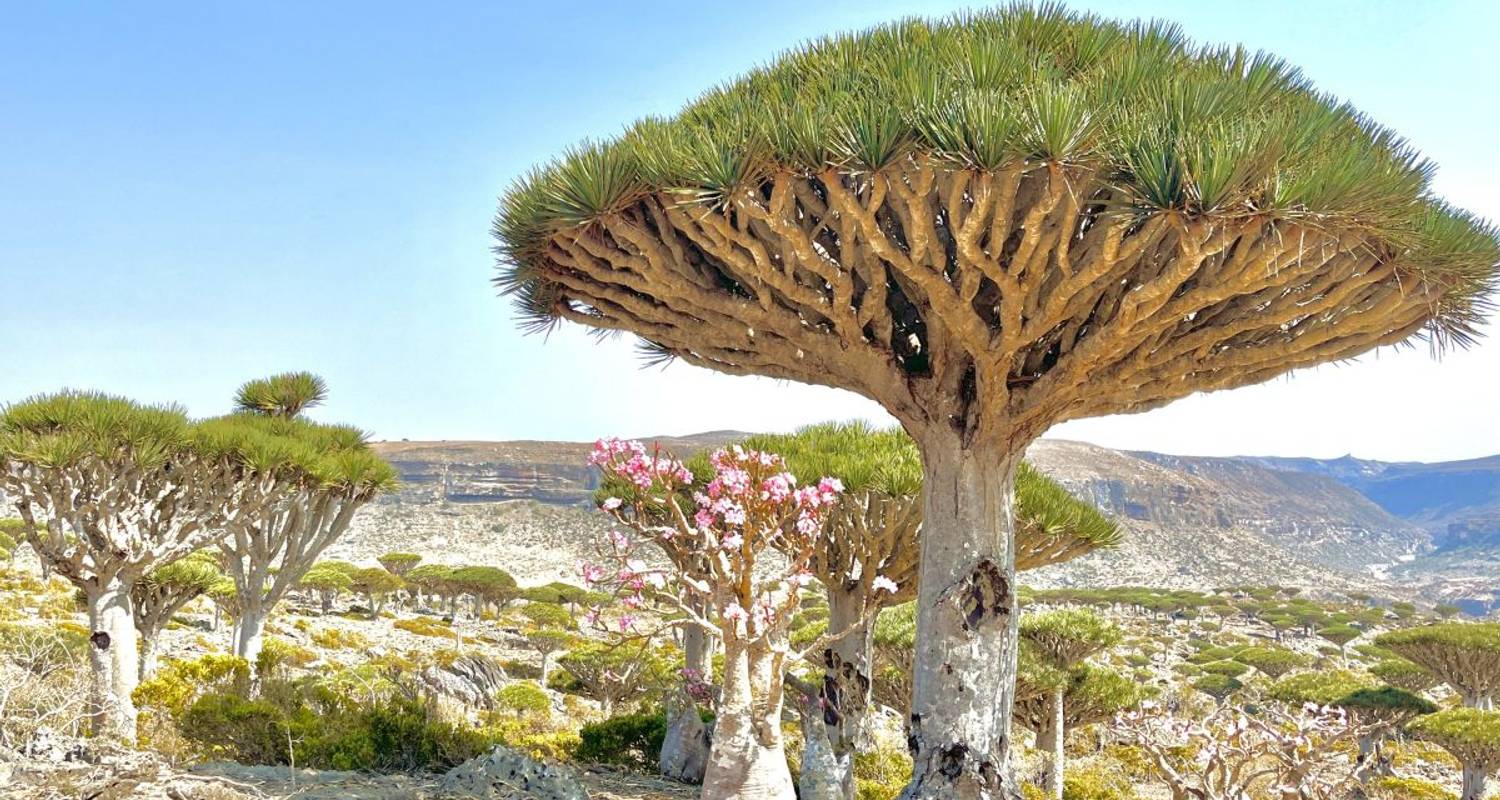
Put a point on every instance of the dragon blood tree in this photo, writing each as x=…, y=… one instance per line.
x=873, y=533
x=1063, y=640
x=991, y=224
x=753, y=531
x=1472, y=736
x=162, y=592
x=110, y=489
x=268, y=558
x=1466, y=656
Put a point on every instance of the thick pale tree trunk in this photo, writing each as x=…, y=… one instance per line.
x=846, y=697
x=826, y=774
x=1474, y=782
x=1058, y=737
x=964, y=665
x=748, y=759
x=150, y=655
x=249, y=633
x=113, y=659
x=684, y=750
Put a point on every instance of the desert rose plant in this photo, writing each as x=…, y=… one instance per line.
x=1229, y=755
x=752, y=508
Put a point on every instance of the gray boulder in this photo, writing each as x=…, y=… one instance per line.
x=504, y=774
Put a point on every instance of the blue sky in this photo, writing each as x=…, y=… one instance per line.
x=192, y=194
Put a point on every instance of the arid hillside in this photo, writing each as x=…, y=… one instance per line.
x=1193, y=522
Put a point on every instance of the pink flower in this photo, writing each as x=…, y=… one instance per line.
x=734, y=612
x=734, y=514
x=732, y=541
x=883, y=584
x=611, y=503
x=626, y=622
x=806, y=525
x=592, y=573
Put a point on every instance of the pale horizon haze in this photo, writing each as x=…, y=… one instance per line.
x=196, y=194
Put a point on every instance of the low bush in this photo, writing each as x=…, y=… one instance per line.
x=277, y=654
x=424, y=626
x=524, y=698
x=1095, y=783
x=339, y=639
x=632, y=741
x=881, y=773
x=1393, y=787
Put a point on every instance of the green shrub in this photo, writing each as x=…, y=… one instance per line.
x=275, y=654
x=632, y=741
x=524, y=698
x=338, y=639
x=524, y=670
x=424, y=626
x=1233, y=669
x=881, y=773
x=1093, y=783
x=1393, y=787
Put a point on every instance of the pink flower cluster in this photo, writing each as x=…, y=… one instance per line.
x=630, y=461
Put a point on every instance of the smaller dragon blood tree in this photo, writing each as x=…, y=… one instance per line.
x=752, y=532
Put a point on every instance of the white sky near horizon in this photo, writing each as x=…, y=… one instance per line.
x=194, y=195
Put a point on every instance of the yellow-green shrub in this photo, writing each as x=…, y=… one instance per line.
x=524, y=698
x=1393, y=787
x=338, y=639
x=276, y=654
x=424, y=626
x=881, y=773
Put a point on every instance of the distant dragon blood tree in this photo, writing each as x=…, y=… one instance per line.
x=752, y=532
x=991, y=224
x=268, y=558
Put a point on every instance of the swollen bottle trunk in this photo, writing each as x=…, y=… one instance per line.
x=748, y=759
x=964, y=664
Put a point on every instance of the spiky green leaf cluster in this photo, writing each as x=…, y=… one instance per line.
x=1322, y=687
x=1044, y=507
x=196, y=572
x=1404, y=674
x=326, y=578
x=61, y=429
x=1271, y=661
x=1067, y=636
x=1385, y=701
x=285, y=395
x=65, y=428
x=1465, y=655
x=863, y=457
x=1175, y=127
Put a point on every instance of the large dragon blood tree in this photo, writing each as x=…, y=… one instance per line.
x=991, y=224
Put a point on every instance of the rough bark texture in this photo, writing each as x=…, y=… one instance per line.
x=1474, y=782
x=113, y=658
x=685, y=748
x=845, y=694
x=966, y=641
x=826, y=774
x=1057, y=737
x=748, y=760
